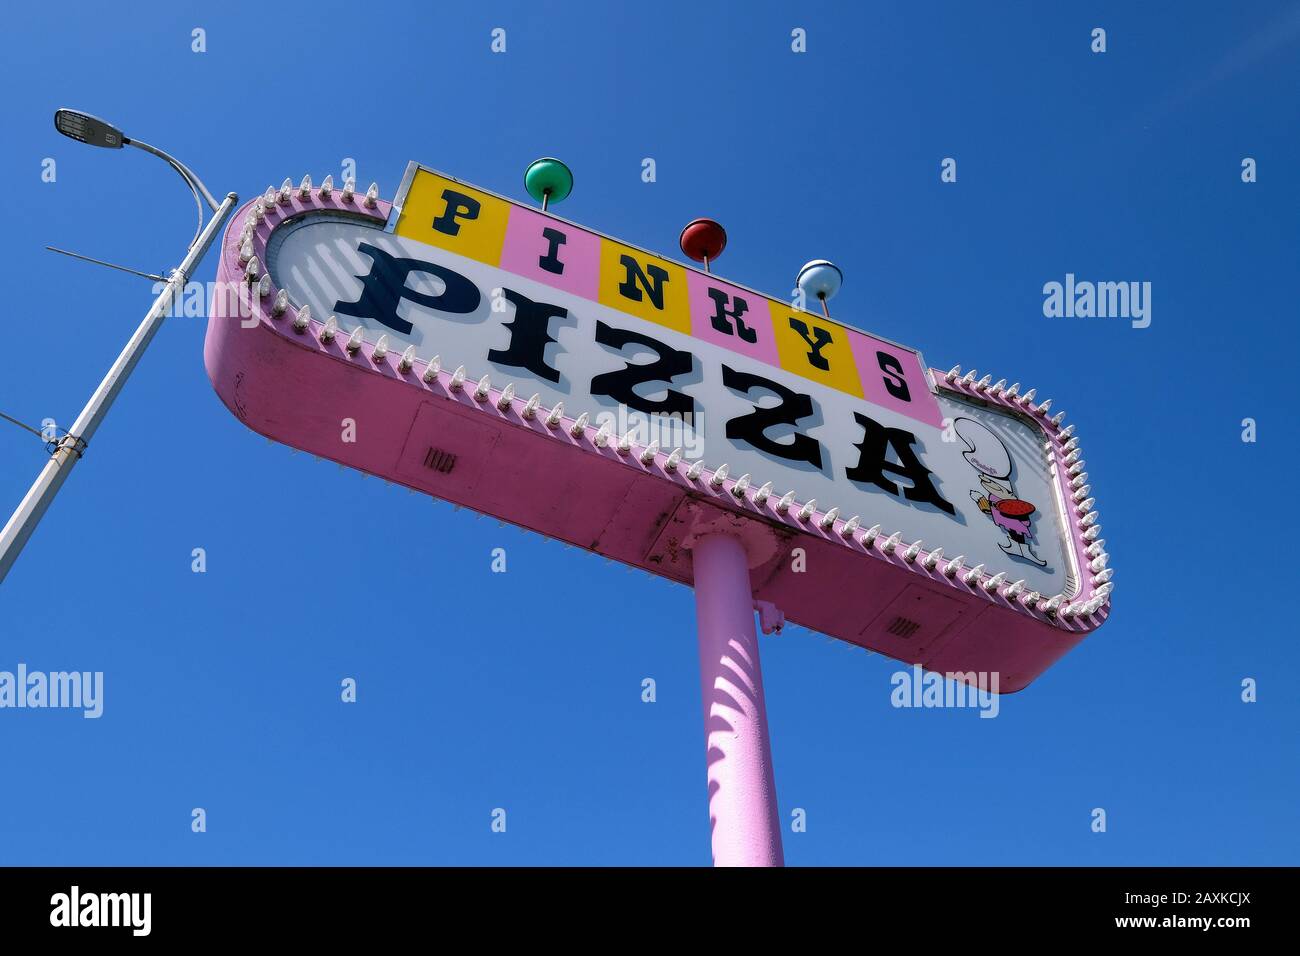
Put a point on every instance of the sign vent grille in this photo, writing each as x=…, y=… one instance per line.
x=902, y=627
x=439, y=460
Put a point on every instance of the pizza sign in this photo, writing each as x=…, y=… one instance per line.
x=704, y=393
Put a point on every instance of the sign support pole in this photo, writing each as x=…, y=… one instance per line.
x=742, y=785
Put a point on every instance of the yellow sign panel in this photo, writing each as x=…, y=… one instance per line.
x=643, y=285
x=450, y=215
x=814, y=348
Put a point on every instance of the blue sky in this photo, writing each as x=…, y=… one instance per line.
x=222, y=689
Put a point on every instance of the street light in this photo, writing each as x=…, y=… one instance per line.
x=97, y=132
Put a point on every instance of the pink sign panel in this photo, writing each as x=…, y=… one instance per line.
x=734, y=318
x=551, y=251
x=893, y=377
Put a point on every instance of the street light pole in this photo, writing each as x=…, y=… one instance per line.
x=23, y=522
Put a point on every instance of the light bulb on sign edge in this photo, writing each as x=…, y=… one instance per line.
x=892, y=542
x=302, y=319
x=246, y=251
x=264, y=285
x=1013, y=589
x=673, y=461
x=253, y=271
x=281, y=303
x=719, y=476
x=870, y=535
x=603, y=435
x=304, y=188
x=482, y=388
x=457, y=379
x=349, y=187
x=556, y=413
x=647, y=456
x=740, y=487
x=329, y=329
x=806, y=511
x=286, y=191
x=625, y=444
x=932, y=559
x=380, y=351
x=327, y=187
x=912, y=551
x=827, y=521
x=697, y=468
x=579, y=427
x=269, y=197
x=431, y=370
x=530, y=407
x=971, y=576
x=761, y=496
x=407, y=360
x=995, y=582
x=372, y=196
x=953, y=374
x=784, y=504
x=849, y=527
x=507, y=397
x=952, y=567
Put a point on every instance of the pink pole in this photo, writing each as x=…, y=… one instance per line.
x=742, y=786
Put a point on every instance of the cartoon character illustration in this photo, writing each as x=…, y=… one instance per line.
x=997, y=497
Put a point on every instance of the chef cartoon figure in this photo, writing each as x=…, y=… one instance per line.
x=997, y=495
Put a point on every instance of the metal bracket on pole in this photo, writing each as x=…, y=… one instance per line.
x=74, y=442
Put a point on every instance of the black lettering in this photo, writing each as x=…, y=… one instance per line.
x=384, y=287
x=822, y=339
x=620, y=383
x=895, y=384
x=551, y=262
x=529, y=335
x=654, y=286
x=872, y=464
x=459, y=206
x=752, y=428
x=721, y=313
